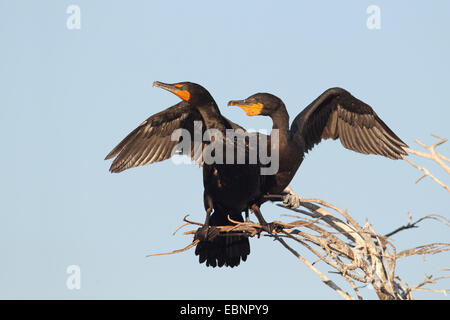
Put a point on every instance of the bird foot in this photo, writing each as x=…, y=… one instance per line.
x=270, y=228
x=290, y=199
x=273, y=227
x=207, y=233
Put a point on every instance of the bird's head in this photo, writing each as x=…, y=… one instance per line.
x=259, y=104
x=187, y=91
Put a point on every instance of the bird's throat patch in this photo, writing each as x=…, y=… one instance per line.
x=252, y=109
x=183, y=94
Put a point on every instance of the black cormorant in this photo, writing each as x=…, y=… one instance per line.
x=229, y=189
x=334, y=114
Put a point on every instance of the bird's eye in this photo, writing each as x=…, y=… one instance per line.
x=184, y=87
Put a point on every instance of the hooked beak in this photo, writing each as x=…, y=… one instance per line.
x=251, y=109
x=236, y=102
x=166, y=86
x=183, y=94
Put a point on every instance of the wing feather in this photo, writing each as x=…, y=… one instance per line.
x=151, y=141
x=337, y=114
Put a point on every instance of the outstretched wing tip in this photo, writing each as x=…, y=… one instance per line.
x=337, y=114
x=152, y=140
x=113, y=168
x=404, y=152
x=109, y=156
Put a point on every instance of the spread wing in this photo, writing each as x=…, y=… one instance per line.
x=152, y=140
x=337, y=114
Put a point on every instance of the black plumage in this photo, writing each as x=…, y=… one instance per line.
x=228, y=188
x=151, y=141
x=335, y=114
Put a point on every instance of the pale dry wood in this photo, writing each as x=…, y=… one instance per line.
x=356, y=252
x=427, y=174
x=429, y=280
x=432, y=155
x=324, y=278
x=428, y=249
x=191, y=245
x=414, y=224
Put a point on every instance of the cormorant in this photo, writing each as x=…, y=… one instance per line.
x=334, y=114
x=229, y=189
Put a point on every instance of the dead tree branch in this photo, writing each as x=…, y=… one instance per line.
x=432, y=155
x=410, y=224
x=357, y=253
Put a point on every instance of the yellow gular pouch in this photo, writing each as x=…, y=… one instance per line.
x=183, y=94
x=252, y=109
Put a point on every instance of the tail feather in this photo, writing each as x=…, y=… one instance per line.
x=223, y=250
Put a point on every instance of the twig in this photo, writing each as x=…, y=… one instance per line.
x=432, y=155
x=324, y=278
x=431, y=248
x=427, y=174
x=192, y=244
x=183, y=225
x=357, y=253
x=410, y=224
x=428, y=280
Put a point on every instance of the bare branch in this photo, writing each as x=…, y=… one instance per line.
x=430, y=280
x=427, y=174
x=193, y=244
x=431, y=248
x=356, y=253
x=432, y=155
x=324, y=278
x=410, y=224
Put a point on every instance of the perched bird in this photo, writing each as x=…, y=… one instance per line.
x=229, y=189
x=335, y=114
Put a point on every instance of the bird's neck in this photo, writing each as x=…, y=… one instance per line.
x=211, y=116
x=280, y=119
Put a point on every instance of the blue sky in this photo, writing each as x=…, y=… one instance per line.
x=69, y=96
